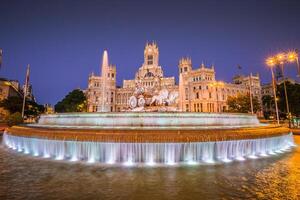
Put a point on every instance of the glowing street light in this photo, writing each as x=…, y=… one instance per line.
x=280, y=59
x=270, y=62
x=292, y=56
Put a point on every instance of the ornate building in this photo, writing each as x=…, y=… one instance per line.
x=198, y=90
x=8, y=88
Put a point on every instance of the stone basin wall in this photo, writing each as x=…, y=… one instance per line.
x=149, y=136
x=148, y=119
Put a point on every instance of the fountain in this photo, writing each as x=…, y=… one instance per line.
x=153, y=130
x=149, y=138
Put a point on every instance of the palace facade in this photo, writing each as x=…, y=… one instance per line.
x=198, y=89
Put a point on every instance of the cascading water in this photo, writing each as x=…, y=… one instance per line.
x=150, y=153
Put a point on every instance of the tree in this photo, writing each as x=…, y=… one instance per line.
x=293, y=93
x=241, y=104
x=75, y=101
x=14, y=104
x=268, y=106
x=14, y=119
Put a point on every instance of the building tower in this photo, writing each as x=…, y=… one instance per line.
x=151, y=55
x=185, y=65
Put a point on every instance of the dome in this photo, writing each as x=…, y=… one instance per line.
x=149, y=74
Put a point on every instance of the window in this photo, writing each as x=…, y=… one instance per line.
x=209, y=95
x=185, y=69
x=150, y=60
x=112, y=75
x=187, y=107
x=197, y=95
x=112, y=97
x=186, y=93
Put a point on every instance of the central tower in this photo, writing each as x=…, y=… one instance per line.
x=151, y=55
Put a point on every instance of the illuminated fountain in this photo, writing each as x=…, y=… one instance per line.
x=149, y=138
x=152, y=131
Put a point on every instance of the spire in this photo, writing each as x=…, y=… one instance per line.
x=202, y=65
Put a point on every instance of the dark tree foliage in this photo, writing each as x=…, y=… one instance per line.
x=14, y=119
x=293, y=93
x=75, y=101
x=14, y=104
x=241, y=104
x=268, y=105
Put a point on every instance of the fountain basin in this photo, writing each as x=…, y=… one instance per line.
x=198, y=138
x=153, y=120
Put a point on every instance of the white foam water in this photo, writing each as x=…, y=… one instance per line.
x=150, y=153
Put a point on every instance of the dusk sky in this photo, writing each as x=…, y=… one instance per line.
x=63, y=41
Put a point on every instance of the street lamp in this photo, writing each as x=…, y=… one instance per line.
x=292, y=56
x=270, y=62
x=250, y=93
x=281, y=58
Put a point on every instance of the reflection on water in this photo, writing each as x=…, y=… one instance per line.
x=276, y=177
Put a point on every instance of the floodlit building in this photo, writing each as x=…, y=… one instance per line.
x=198, y=90
x=8, y=88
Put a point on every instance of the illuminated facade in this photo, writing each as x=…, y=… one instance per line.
x=198, y=89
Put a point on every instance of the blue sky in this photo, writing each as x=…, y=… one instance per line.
x=63, y=41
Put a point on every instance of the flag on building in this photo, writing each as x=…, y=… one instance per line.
x=25, y=89
x=239, y=67
x=298, y=66
x=1, y=53
x=27, y=79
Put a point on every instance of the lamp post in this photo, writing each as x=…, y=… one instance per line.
x=250, y=93
x=281, y=58
x=271, y=63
